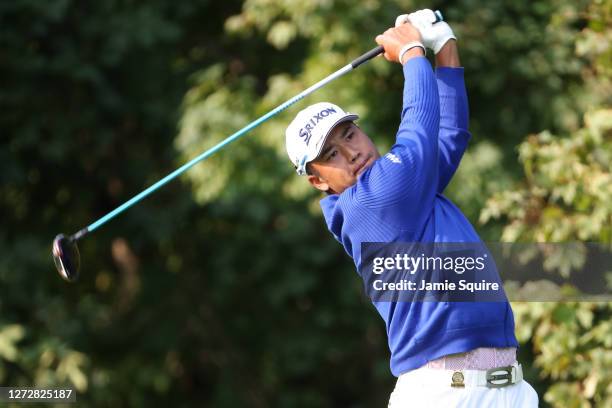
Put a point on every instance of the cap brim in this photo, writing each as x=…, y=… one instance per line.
x=349, y=117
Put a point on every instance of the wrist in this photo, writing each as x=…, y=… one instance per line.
x=411, y=50
x=415, y=52
x=448, y=56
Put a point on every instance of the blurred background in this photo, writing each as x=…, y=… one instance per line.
x=225, y=288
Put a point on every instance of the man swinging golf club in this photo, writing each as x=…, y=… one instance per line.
x=446, y=354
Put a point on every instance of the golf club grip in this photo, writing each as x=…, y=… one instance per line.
x=379, y=50
x=367, y=56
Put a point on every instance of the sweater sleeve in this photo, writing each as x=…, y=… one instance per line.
x=454, y=119
x=407, y=176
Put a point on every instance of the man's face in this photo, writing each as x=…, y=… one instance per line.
x=347, y=153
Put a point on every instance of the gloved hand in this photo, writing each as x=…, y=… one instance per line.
x=434, y=35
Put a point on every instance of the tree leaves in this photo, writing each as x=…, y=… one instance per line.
x=243, y=298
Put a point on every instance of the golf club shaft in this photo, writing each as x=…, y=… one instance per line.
x=354, y=64
x=347, y=68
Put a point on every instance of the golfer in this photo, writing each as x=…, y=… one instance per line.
x=445, y=354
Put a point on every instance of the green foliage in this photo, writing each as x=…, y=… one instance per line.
x=567, y=190
x=480, y=175
x=228, y=290
x=565, y=196
x=571, y=342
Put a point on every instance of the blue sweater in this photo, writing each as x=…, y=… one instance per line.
x=399, y=199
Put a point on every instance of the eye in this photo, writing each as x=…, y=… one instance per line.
x=349, y=136
x=332, y=154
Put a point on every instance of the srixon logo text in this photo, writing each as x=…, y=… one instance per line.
x=306, y=131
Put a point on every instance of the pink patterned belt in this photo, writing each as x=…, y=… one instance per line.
x=477, y=359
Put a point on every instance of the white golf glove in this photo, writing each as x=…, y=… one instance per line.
x=434, y=35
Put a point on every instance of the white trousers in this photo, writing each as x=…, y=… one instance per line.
x=428, y=387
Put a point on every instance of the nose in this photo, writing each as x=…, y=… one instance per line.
x=351, y=154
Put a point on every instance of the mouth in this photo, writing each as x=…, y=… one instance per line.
x=362, y=166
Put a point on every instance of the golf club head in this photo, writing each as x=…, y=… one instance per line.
x=66, y=257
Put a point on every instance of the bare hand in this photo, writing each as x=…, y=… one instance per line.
x=394, y=39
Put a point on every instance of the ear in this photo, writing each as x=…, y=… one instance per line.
x=318, y=183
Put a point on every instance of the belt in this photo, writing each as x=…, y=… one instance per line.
x=497, y=377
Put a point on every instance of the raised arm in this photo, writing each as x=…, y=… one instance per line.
x=454, y=136
x=407, y=176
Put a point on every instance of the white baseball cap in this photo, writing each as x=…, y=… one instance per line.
x=306, y=134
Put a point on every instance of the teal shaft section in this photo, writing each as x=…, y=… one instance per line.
x=215, y=149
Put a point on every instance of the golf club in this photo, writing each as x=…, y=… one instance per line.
x=65, y=251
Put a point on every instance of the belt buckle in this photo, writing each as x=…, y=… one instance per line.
x=457, y=380
x=497, y=374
